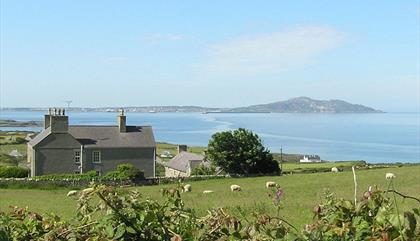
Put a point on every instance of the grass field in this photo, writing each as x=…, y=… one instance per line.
x=10, y=136
x=172, y=148
x=295, y=166
x=302, y=193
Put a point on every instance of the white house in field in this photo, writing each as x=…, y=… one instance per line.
x=310, y=159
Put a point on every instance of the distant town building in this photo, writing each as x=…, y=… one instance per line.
x=30, y=136
x=184, y=163
x=310, y=158
x=15, y=153
x=64, y=148
x=166, y=154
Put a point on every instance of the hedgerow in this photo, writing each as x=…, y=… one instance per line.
x=105, y=213
x=13, y=172
x=123, y=172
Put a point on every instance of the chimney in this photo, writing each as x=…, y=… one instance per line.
x=59, y=122
x=47, y=119
x=122, y=121
x=182, y=148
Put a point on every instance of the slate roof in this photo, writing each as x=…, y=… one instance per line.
x=106, y=136
x=181, y=162
x=110, y=136
x=41, y=136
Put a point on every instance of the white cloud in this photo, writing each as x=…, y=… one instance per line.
x=270, y=52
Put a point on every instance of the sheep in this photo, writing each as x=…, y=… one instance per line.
x=389, y=175
x=235, y=188
x=187, y=188
x=88, y=191
x=71, y=193
x=207, y=191
x=334, y=170
x=270, y=184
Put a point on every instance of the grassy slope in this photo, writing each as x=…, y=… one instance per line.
x=302, y=192
x=172, y=148
x=6, y=149
x=5, y=159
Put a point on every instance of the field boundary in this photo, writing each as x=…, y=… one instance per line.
x=51, y=183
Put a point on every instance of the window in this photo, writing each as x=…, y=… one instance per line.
x=77, y=156
x=96, y=157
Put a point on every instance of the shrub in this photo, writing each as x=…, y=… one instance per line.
x=20, y=140
x=13, y=172
x=374, y=217
x=159, y=170
x=203, y=170
x=84, y=176
x=112, y=175
x=241, y=152
x=91, y=174
x=125, y=171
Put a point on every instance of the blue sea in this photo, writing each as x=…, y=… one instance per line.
x=377, y=137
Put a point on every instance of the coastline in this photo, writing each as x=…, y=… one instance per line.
x=389, y=137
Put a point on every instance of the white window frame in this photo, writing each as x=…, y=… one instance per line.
x=93, y=157
x=77, y=156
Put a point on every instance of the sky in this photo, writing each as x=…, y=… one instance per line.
x=209, y=53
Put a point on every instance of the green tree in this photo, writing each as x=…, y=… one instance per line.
x=204, y=170
x=240, y=152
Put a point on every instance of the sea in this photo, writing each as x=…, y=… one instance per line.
x=372, y=137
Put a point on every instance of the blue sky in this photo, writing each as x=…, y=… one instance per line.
x=209, y=53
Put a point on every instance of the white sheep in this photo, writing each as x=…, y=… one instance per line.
x=71, y=193
x=270, y=184
x=334, y=169
x=235, y=188
x=187, y=188
x=88, y=191
x=389, y=175
x=207, y=191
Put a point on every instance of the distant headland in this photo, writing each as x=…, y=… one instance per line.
x=294, y=105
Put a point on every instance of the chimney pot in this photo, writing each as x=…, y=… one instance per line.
x=122, y=121
x=47, y=121
x=182, y=148
x=58, y=122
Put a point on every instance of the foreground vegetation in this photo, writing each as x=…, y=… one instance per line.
x=106, y=214
x=301, y=192
x=213, y=212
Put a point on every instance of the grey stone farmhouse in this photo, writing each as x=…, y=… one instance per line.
x=64, y=148
x=184, y=163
